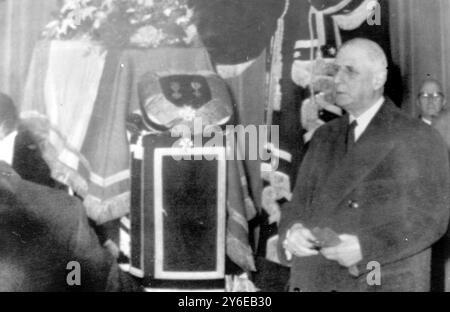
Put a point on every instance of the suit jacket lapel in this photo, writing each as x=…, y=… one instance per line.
x=331, y=153
x=318, y=164
x=371, y=148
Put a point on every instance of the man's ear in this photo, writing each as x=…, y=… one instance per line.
x=379, y=80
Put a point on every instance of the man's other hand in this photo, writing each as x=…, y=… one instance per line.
x=300, y=242
x=347, y=253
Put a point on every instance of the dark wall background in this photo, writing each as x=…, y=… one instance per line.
x=235, y=31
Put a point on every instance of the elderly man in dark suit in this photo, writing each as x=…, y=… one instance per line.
x=372, y=194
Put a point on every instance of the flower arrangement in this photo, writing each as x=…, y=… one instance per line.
x=118, y=23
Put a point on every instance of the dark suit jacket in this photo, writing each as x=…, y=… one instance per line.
x=41, y=231
x=442, y=125
x=391, y=190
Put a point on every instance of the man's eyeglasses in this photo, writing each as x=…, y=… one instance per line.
x=431, y=96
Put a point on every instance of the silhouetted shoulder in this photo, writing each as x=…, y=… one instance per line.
x=414, y=131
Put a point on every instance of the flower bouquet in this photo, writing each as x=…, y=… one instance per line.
x=125, y=23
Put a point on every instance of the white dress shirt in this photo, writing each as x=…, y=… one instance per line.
x=365, y=118
x=7, y=148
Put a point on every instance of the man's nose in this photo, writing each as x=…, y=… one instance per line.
x=338, y=77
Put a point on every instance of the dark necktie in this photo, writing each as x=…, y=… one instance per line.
x=351, y=136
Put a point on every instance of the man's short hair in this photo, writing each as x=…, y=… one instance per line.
x=431, y=80
x=8, y=113
x=375, y=54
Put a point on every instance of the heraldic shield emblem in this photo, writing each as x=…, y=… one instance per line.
x=190, y=90
x=169, y=100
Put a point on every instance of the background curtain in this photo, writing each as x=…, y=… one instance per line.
x=420, y=44
x=421, y=47
x=21, y=23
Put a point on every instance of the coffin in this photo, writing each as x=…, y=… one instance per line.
x=178, y=214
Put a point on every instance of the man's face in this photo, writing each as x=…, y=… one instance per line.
x=354, y=80
x=430, y=99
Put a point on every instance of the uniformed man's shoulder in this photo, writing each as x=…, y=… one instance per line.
x=47, y=195
x=54, y=205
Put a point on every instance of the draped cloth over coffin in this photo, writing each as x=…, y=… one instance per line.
x=54, y=108
x=91, y=154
